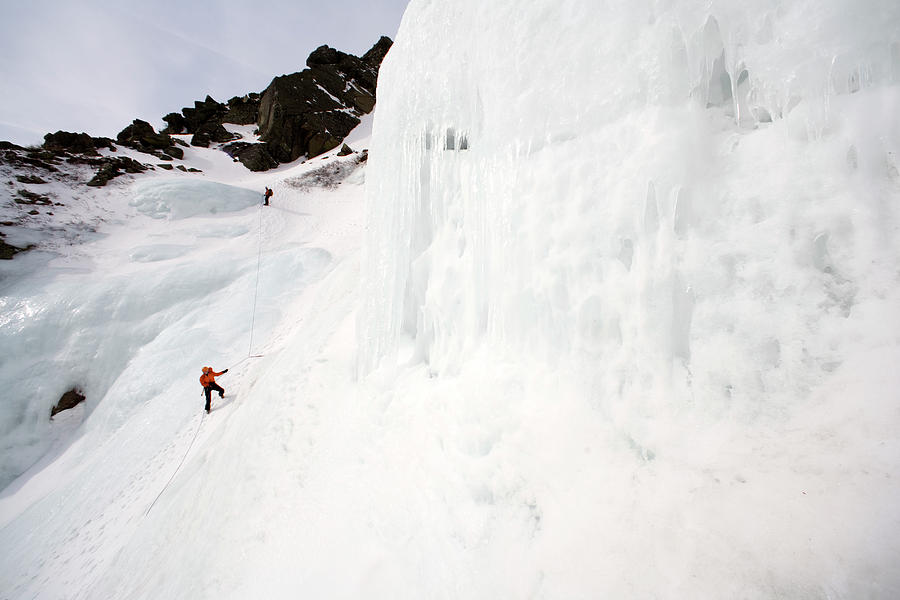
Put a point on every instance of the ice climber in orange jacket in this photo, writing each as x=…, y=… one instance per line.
x=208, y=381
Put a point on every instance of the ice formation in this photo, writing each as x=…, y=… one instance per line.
x=688, y=209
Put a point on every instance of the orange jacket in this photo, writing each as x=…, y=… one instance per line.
x=209, y=377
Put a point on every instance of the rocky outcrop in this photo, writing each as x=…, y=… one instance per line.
x=243, y=110
x=80, y=143
x=310, y=112
x=303, y=114
x=111, y=167
x=205, y=119
x=141, y=136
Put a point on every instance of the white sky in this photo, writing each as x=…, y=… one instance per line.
x=96, y=65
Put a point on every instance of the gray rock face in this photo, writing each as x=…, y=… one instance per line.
x=310, y=112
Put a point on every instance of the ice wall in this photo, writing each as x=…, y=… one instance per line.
x=692, y=207
x=599, y=179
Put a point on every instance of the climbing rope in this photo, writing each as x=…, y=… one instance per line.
x=191, y=445
x=248, y=357
x=255, y=286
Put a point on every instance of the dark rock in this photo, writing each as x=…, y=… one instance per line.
x=174, y=152
x=181, y=168
x=345, y=150
x=311, y=112
x=376, y=53
x=10, y=146
x=141, y=136
x=80, y=143
x=243, y=110
x=176, y=123
x=205, y=119
x=70, y=399
x=324, y=55
x=216, y=132
x=27, y=197
x=255, y=157
x=113, y=167
x=7, y=251
x=200, y=140
x=29, y=179
x=31, y=159
x=165, y=166
x=204, y=112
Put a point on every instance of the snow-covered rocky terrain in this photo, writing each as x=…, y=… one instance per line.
x=609, y=312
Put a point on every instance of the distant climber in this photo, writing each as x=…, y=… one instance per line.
x=268, y=195
x=208, y=381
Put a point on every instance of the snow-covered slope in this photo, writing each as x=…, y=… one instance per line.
x=181, y=268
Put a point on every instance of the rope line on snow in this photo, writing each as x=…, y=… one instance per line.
x=248, y=357
x=256, y=286
x=191, y=445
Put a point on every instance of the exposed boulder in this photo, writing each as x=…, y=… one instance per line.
x=174, y=152
x=255, y=157
x=70, y=399
x=7, y=251
x=345, y=150
x=311, y=112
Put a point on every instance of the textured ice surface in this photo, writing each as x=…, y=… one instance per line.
x=690, y=210
x=177, y=199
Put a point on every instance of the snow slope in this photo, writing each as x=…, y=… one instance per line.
x=169, y=286
x=616, y=320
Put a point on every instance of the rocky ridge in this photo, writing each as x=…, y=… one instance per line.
x=303, y=114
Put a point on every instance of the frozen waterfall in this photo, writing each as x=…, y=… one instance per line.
x=689, y=213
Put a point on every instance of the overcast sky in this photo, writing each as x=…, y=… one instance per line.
x=95, y=65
